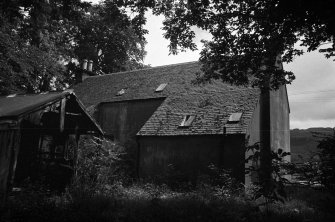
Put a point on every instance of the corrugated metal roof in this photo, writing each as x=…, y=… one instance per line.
x=211, y=103
x=20, y=104
x=15, y=106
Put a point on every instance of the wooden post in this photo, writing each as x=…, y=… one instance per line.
x=75, y=152
x=9, y=143
x=62, y=114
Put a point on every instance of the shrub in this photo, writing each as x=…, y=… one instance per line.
x=327, y=162
x=100, y=164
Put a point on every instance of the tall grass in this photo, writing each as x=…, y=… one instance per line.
x=99, y=192
x=149, y=202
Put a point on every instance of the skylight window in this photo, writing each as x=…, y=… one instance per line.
x=187, y=120
x=161, y=87
x=235, y=117
x=121, y=92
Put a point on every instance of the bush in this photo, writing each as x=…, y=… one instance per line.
x=100, y=164
x=150, y=202
x=327, y=162
x=99, y=193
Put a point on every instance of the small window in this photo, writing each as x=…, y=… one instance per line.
x=235, y=117
x=161, y=87
x=121, y=92
x=187, y=120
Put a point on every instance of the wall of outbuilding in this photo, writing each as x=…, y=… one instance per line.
x=122, y=120
x=190, y=155
x=9, y=147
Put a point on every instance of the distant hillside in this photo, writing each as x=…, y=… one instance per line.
x=304, y=142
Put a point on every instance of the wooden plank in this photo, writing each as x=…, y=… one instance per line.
x=14, y=155
x=62, y=114
x=8, y=141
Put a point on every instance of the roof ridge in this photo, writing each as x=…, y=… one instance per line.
x=238, y=90
x=150, y=68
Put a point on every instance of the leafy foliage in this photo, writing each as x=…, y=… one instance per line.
x=327, y=162
x=42, y=42
x=107, y=36
x=279, y=171
x=96, y=195
x=319, y=169
x=148, y=202
x=248, y=35
x=100, y=165
x=24, y=67
x=39, y=33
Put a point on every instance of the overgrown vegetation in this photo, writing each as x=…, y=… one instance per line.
x=327, y=162
x=102, y=191
x=148, y=202
x=318, y=170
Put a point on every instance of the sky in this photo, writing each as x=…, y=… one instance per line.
x=311, y=95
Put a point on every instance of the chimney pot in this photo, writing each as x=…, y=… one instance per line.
x=90, y=66
x=84, y=66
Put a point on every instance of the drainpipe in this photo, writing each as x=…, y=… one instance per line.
x=223, y=146
x=138, y=158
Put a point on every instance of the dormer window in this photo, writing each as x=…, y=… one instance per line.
x=235, y=117
x=121, y=92
x=187, y=120
x=161, y=87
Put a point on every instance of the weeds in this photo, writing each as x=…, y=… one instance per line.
x=149, y=202
x=100, y=193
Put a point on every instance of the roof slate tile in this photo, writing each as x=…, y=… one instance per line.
x=211, y=103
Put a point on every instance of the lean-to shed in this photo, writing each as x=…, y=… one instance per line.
x=38, y=135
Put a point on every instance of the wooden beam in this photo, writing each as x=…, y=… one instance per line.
x=73, y=114
x=62, y=114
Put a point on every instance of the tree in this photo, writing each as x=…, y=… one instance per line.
x=245, y=32
x=23, y=66
x=247, y=37
x=43, y=40
x=34, y=36
x=107, y=36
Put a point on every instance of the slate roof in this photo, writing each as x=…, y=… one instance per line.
x=212, y=103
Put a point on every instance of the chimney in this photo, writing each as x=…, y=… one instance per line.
x=80, y=74
x=85, y=71
x=90, y=65
x=84, y=65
